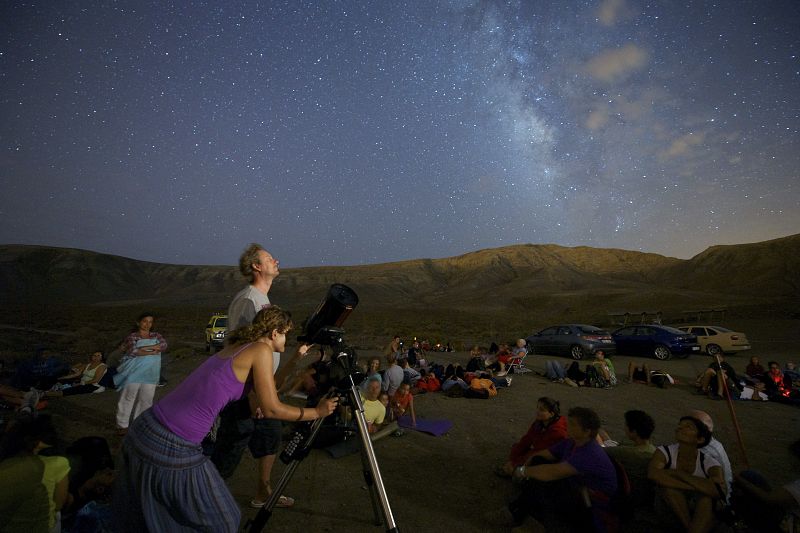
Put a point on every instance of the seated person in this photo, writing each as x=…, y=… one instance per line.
x=476, y=361
x=754, y=369
x=502, y=359
x=791, y=372
x=374, y=410
x=428, y=382
x=562, y=475
x=711, y=380
x=40, y=372
x=548, y=428
x=714, y=448
x=778, y=386
x=519, y=350
x=403, y=402
x=635, y=457
x=603, y=369
x=393, y=375
x=414, y=354
x=89, y=376
x=410, y=375
x=373, y=372
x=688, y=480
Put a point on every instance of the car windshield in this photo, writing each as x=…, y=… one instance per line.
x=591, y=329
x=673, y=330
x=221, y=323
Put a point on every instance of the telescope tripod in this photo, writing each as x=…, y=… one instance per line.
x=300, y=446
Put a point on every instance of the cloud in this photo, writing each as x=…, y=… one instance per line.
x=597, y=118
x=612, y=11
x=614, y=65
x=683, y=144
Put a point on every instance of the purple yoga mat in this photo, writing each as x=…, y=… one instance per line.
x=437, y=428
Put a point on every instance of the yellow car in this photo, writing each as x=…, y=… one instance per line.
x=215, y=331
x=716, y=339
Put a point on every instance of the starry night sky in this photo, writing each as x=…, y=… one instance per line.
x=361, y=132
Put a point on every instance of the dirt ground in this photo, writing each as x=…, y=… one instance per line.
x=447, y=482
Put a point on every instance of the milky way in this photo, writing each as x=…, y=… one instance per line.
x=361, y=132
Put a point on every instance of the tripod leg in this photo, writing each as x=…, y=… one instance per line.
x=369, y=452
x=264, y=514
x=368, y=479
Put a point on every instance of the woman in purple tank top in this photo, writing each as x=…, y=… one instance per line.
x=166, y=483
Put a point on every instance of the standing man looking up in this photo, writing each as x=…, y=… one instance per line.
x=242, y=424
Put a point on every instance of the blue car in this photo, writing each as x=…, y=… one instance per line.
x=662, y=342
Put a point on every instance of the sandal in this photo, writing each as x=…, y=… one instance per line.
x=283, y=501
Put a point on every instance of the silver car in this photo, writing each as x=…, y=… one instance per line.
x=575, y=340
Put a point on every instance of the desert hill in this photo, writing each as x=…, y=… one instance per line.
x=488, y=290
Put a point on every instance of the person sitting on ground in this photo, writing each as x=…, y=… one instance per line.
x=372, y=373
x=24, y=499
x=393, y=375
x=604, y=370
x=40, y=372
x=684, y=474
x=428, y=382
x=778, y=386
x=635, y=457
x=27, y=402
x=714, y=448
x=454, y=376
x=383, y=397
x=89, y=376
x=561, y=476
x=547, y=429
x=711, y=380
x=476, y=361
x=410, y=375
x=755, y=369
x=790, y=371
x=403, y=402
x=374, y=410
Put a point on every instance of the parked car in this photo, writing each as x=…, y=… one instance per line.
x=716, y=339
x=575, y=340
x=216, y=329
x=662, y=342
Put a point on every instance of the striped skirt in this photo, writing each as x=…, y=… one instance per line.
x=166, y=484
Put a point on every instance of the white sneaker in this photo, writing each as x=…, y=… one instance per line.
x=99, y=390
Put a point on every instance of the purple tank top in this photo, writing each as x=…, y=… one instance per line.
x=190, y=408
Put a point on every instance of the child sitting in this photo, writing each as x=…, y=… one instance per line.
x=402, y=402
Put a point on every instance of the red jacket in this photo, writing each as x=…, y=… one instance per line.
x=538, y=438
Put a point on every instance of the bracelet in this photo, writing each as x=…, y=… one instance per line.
x=302, y=413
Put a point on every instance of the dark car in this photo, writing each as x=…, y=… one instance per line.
x=662, y=342
x=575, y=340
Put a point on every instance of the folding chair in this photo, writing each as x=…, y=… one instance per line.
x=517, y=364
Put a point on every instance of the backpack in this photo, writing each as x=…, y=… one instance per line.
x=483, y=386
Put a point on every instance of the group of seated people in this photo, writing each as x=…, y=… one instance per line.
x=598, y=373
x=46, y=486
x=570, y=474
x=757, y=383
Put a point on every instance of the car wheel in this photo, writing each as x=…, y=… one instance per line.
x=576, y=352
x=713, y=349
x=661, y=352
